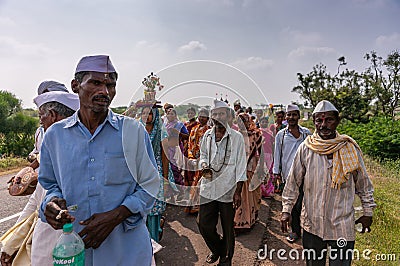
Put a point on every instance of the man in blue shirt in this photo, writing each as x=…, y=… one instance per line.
x=102, y=163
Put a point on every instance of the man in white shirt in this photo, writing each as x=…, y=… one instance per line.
x=223, y=160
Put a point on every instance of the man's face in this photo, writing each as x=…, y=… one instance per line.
x=96, y=91
x=49, y=117
x=203, y=119
x=326, y=124
x=236, y=107
x=292, y=117
x=219, y=117
x=45, y=119
x=191, y=114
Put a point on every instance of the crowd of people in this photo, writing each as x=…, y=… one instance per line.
x=121, y=171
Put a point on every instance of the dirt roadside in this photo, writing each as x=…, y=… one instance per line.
x=183, y=244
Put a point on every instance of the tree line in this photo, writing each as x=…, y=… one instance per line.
x=358, y=96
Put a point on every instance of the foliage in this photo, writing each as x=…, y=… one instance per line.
x=383, y=77
x=11, y=162
x=16, y=129
x=119, y=109
x=8, y=105
x=379, y=138
x=356, y=95
x=181, y=110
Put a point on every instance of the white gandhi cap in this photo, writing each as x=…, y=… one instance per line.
x=324, y=106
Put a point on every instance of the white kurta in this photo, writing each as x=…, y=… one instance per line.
x=44, y=236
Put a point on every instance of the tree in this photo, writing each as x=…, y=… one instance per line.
x=16, y=129
x=383, y=77
x=346, y=90
x=314, y=86
x=9, y=105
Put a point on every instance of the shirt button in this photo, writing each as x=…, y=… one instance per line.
x=92, y=159
x=92, y=178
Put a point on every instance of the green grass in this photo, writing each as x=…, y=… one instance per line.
x=385, y=236
x=11, y=163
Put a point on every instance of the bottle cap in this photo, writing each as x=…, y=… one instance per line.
x=67, y=227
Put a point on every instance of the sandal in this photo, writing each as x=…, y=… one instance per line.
x=211, y=258
x=292, y=237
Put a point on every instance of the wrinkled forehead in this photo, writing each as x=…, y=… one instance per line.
x=100, y=76
x=325, y=114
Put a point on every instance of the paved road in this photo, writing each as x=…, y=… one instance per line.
x=9, y=205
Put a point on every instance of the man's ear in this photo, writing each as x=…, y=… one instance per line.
x=75, y=85
x=53, y=114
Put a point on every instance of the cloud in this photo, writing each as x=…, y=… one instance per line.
x=300, y=37
x=6, y=22
x=304, y=52
x=143, y=44
x=253, y=62
x=11, y=47
x=392, y=40
x=192, y=46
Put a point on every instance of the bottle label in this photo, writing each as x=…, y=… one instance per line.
x=77, y=260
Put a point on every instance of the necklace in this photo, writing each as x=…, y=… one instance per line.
x=223, y=163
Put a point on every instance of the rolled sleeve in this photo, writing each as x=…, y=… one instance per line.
x=47, y=179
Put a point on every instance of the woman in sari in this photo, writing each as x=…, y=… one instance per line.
x=150, y=118
x=196, y=134
x=267, y=188
x=177, y=133
x=246, y=215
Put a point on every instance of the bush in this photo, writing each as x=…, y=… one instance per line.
x=379, y=138
x=17, y=137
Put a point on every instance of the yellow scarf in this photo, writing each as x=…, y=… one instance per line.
x=345, y=158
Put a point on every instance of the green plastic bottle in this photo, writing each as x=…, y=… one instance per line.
x=69, y=249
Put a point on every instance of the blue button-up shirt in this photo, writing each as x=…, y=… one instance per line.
x=115, y=166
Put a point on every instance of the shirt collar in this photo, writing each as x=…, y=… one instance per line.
x=111, y=118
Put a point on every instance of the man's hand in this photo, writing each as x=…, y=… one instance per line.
x=366, y=222
x=6, y=260
x=99, y=226
x=53, y=209
x=237, y=196
x=286, y=221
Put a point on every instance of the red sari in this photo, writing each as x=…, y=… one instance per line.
x=194, y=153
x=246, y=215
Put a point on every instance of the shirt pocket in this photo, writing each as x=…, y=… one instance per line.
x=116, y=170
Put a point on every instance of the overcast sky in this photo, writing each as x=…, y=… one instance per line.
x=269, y=41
